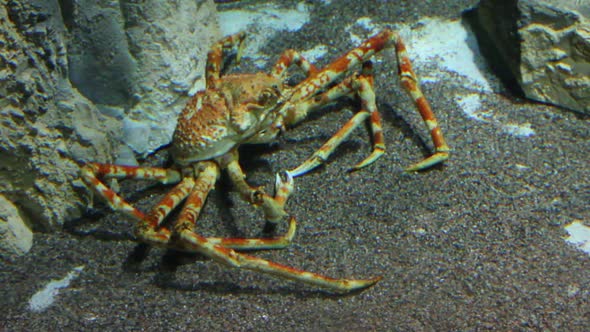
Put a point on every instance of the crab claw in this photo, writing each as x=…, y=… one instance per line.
x=284, y=185
x=274, y=207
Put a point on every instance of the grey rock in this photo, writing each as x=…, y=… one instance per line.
x=546, y=46
x=141, y=58
x=48, y=127
x=15, y=237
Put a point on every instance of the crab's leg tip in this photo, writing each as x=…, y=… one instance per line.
x=306, y=166
x=376, y=280
x=296, y=172
x=376, y=154
x=357, y=285
x=435, y=159
x=372, y=281
x=292, y=228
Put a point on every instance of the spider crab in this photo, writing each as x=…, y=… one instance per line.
x=238, y=109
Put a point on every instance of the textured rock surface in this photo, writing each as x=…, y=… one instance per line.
x=47, y=127
x=16, y=237
x=45, y=124
x=134, y=60
x=546, y=45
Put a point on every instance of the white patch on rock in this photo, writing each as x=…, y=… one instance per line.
x=312, y=55
x=125, y=156
x=45, y=297
x=136, y=133
x=364, y=23
x=447, y=45
x=265, y=21
x=579, y=235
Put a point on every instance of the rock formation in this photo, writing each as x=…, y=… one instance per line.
x=546, y=46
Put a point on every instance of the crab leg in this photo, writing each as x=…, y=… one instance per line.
x=362, y=85
x=163, y=175
x=410, y=83
x=309, y=88
x=91, y=173
x=290, y=57
x=231, y=258
x=189, y=240
x=149, y=228
x=278, y=242
x=215, y=56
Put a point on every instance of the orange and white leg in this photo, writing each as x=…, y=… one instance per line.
x=91, y=174
x=188, y=240
x=410, y=83
x=290, y=57
x=147, y=227
x=215, y=57
x=232, y=258
x=361, y=85
x=277, y=242
x=359, y=56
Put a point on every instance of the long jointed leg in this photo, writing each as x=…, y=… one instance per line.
x=362, y=85
x=307, y=90
x=343, y=65
x=277, y=242
x=290, y=57
x=191, y=241
x=215, y=56
x=232, y=258
x=149, y=229
x=197, y=192
x=92, y=172
x=410, y=83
